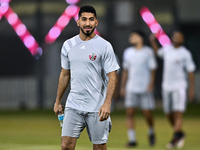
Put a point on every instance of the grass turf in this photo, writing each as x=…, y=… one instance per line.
x=40, y=130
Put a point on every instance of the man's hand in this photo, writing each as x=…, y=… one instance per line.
x=191, y=86
x=123, y=83
x=58, y=108
x=152, y=37
x=191, y=94
x=104, y=112
x=150, y=88
x=122, y=92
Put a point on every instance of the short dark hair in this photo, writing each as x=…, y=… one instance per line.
x=178, y=30
x=139, y=32
x=87, y=8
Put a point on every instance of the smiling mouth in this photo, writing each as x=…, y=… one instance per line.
x=87, y=28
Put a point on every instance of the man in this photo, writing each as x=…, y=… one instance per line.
x=177, y=61
x=89, y=63
x=137, y=84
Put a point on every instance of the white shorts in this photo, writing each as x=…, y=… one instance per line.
x=174, y=100
x=75, y=121
x=145, y=101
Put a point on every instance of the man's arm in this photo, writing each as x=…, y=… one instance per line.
x=191, y=86
x=62, y=86
x=152, y=81
x=123, y=82
x=154, y=43
x=104, y=111
x=116, y=93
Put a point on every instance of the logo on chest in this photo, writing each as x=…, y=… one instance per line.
x=92, y=56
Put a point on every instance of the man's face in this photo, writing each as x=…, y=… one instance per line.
x=135, y=39
x=177, y=38
x=87, y=23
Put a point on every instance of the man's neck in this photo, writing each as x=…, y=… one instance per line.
x=138, y=46
x=85, y=37
x=177, y=45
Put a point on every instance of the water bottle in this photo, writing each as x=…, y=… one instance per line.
x=60, y=118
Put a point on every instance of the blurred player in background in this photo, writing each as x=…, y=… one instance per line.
x=137, y=84
x=116, y=94
x=87, y=60
x=177, y=61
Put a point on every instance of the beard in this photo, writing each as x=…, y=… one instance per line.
x=87, y=33
x=177, y=44
x=134, y=44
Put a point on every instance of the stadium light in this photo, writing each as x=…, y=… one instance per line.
x=20, y=29
x=154, y=26
x=29, y=41
x=70, y=12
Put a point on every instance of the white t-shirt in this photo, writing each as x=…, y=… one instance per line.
x=139, y=64
x=89, y=62
x=177, y=61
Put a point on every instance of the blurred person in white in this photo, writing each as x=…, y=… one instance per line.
x=178, y=63
x=137, y=84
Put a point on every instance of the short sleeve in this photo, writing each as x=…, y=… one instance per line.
x=65, y=63
x=118, y=71
x=152, y=61
x=110, y=62
x=125, y=63
x=160, y=52
x=190, y=66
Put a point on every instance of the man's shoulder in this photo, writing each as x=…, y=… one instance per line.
x=185, y=51
x=148, y=49
x=73, y=40
x=102, y=41
x=129, y=49
x=101, y=45
x=68, y=44
x=167, y=47
x=128, y=52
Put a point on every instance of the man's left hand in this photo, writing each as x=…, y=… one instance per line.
x=104, y=112
x=191, y=95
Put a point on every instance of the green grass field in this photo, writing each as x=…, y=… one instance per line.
x=40, y=130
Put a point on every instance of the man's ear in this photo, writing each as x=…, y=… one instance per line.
x=77, y=22
x=97, y=22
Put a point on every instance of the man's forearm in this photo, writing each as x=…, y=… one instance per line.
x=124, y=78
x=112, y=83
x=152, y=80
x=62, y=86
x=153, y=43
x=191, y=80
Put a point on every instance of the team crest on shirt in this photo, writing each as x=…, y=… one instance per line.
x=92, y=56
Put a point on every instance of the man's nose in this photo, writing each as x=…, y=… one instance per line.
x=87, y=22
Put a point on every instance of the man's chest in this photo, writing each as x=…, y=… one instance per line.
x=175, y=58
x=138, y=59
x=84, y=53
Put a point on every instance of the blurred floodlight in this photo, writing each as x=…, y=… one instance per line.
x=4, y=7
x=12, y=18
x=29, y=41
x=163, y=39
x=21, y=29
x=63, y=21
x=71, y=10
x=148, y=17
x=72, y=1
x=54, y=32
x=154, y=26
